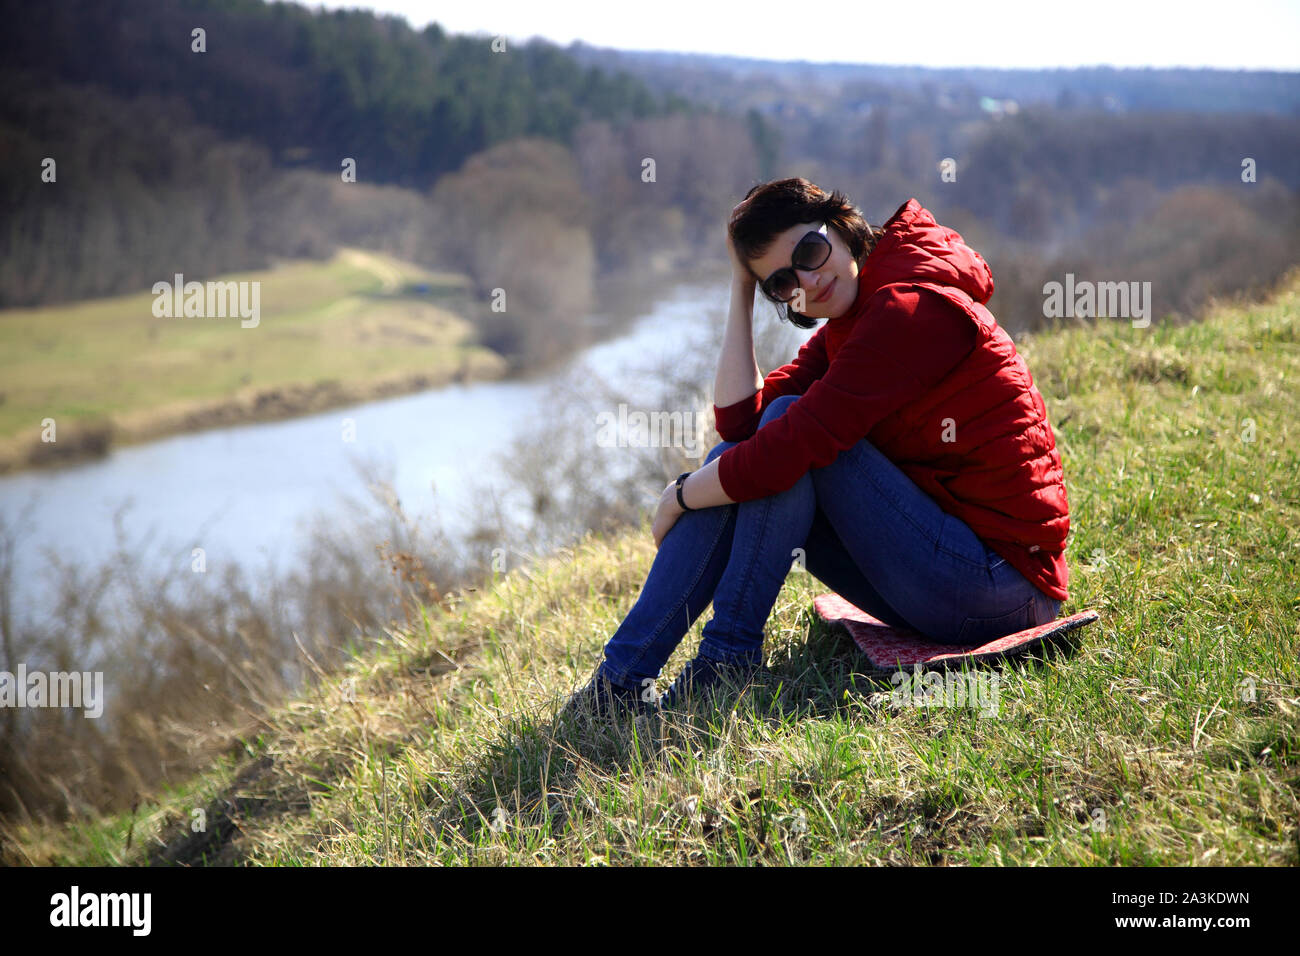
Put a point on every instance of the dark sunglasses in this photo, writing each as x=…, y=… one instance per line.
x=810, y=252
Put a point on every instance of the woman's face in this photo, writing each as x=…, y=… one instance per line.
x=836, y=281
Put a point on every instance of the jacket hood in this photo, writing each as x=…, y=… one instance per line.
x=915, y=248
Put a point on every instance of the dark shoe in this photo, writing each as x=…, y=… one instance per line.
x=603, y=700
x=702, y=677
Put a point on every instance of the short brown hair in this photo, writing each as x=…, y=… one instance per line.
x=777, y=205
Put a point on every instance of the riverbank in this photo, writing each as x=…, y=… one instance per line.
x=86, y=440
x=107, y=373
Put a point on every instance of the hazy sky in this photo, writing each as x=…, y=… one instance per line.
x=1264, y=34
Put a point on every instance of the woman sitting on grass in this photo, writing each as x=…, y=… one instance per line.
x=904, y=454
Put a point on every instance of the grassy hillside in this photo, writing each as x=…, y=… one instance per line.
x=1170, y=736
x=329, y=333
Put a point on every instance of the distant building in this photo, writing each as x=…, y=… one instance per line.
x=999, y=107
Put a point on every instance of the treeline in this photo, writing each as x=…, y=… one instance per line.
x=542, y=222
x=314, y=87
x=1044, y=172
x=138, y=192
x=1194, y=244
x=142, y=190
x=538, y=176
x=730, y=79
x=548, y=174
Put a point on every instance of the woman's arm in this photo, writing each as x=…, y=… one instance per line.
x=738, y=378
x=740, y=421
x=738, y=375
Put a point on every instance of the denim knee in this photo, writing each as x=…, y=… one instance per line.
x=776, y=408
x=863, y=450
x=717, y=450
x=773, y=410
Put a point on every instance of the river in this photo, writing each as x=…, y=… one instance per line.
x=247, y=494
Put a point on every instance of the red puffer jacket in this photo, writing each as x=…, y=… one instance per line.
x=965, y=423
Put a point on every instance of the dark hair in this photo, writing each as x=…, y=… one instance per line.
x=775, y=206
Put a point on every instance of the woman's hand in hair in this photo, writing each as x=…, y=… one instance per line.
x=739, y=268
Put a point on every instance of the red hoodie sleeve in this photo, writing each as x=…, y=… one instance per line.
x=906, y=341
x=738, y=421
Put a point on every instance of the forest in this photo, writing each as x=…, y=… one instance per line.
x=527, y=161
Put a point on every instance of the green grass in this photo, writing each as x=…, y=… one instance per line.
x=1146, y=746
x=351, y=320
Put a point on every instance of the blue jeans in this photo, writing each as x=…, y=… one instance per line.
x=861, y=527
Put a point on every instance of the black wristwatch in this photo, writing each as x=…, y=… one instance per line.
x=681, y=478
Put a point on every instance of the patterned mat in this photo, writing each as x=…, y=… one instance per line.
x=889, y=649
